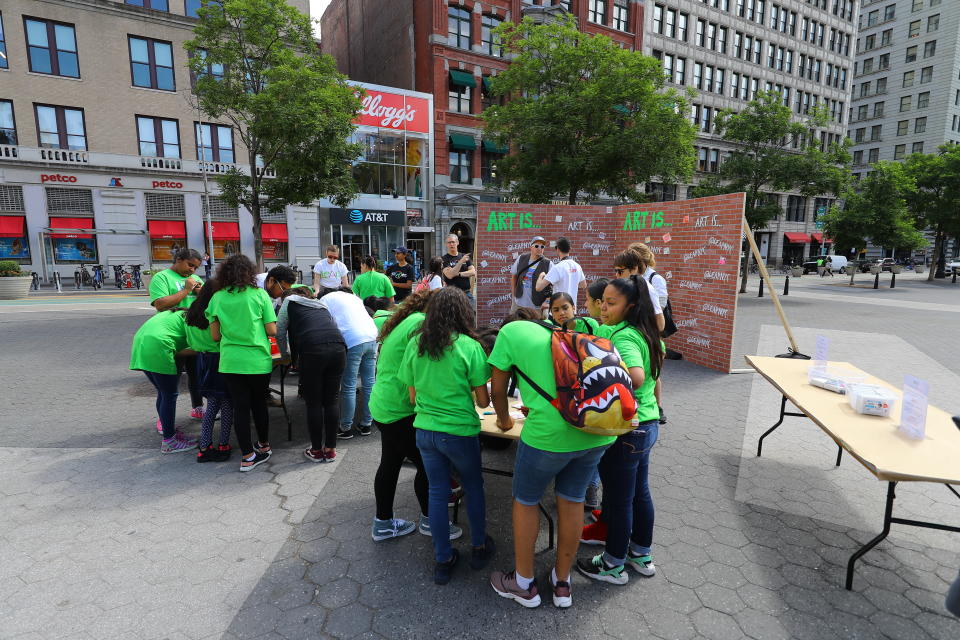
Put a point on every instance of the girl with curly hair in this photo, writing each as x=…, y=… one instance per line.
x=241, y=318
x=445, y=370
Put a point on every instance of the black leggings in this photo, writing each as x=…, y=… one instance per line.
x=320, y=375
x=189, y=364
x=248, y=392
x=398, y=440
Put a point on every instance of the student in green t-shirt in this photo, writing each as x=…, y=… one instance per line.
x=371, y=282
x=444, y=368
x=625, y=525
x=154, y=349
x=563, y=313
x=212, y=385
x=550, y=450
x=241, y=318
x=178, y=287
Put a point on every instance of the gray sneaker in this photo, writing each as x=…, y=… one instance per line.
x=592, y=500
x=394, y=528
x=455, y=531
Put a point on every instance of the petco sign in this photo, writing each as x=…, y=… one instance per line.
x=56, y=177
x=394, y=111
x=167, y=184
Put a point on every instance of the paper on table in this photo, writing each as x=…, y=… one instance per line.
x=913, y=416
x=820, y=353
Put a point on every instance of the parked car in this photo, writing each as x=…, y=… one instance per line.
x=863, y=266
x=953, y=266
x=837, y=263
x=886, y=264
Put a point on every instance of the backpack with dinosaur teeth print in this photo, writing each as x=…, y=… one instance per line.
x=594, y=389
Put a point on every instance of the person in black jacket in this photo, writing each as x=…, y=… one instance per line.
x=322, y=355
x=524, y=274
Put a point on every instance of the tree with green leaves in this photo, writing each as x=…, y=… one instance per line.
x=935, y=203
x=257, y=67
x=775, y=152
x=876, y=211
x=585, y=116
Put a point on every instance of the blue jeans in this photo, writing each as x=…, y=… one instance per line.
x=168, y=389
x=439, y=451
x=362, y=361
x=627, y=503
x=570, y=472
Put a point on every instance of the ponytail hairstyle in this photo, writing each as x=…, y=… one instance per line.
x=436, y=266
x=370, y=263
x=415, y=302
x=196, y=313
x=641, y=317
x=448, y=313
x=629, y=260
x=596, y=288
x=646, y=255
x=377, y=304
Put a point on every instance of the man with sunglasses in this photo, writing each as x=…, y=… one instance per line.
x=524, y=274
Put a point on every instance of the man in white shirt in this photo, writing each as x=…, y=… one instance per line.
x=565, y=275
x=330, y=273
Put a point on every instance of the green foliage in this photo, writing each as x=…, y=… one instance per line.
x=10, y=269
x=584, y=116
x=288, y=105
x=876, y=212
x=935, y=203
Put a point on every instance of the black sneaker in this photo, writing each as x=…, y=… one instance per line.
x=596, y=568
x=210, y=454
x=479, y=556
x=663, y=416
x=364, y=429
x=443, y=570
x=345, y=435
x=259, y=458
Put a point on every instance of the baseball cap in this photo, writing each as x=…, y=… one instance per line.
x=537, y=239
x=401, y=250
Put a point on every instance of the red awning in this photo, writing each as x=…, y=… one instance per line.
x=12, y=226
x=274, y=232
x=225, y=230
x=796, y=238
x=71, y=223
x=817, y=237
x=167, y=228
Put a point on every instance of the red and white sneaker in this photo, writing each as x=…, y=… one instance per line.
x=197, y=413
x=595, y=533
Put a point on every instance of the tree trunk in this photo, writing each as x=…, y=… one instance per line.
x=937, y=248
x=255, y=212
x=572, y=197
x=746, y=270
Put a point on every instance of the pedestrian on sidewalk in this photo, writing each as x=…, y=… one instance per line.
x=241, y=319
x=446, y=371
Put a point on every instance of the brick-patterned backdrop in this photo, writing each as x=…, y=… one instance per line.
x=697, y=244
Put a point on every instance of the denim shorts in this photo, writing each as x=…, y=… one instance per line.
x=571, y=472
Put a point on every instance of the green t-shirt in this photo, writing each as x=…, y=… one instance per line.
x=380, y=317
x=634, y=351
x=445, y=387
x=157, y=341
x=585, y=324
x=373, y=283
x=527, y=345
x=201, y=340
x=389, y=400
x=169, y=282
x=244, y=347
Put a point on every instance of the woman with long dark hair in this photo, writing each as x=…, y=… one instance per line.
x=446, y=371
x=241, y=318
x=625, y=524
x=213, y=386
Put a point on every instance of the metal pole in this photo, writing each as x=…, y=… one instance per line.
x=760, y=294
x=893, y=280
x=876, y=280
x=786, y=286
x=206, y=188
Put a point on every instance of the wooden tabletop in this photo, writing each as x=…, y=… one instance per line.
x=488, y=424
x=874, y=441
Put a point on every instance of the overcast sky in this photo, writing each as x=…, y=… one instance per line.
x=316, y=10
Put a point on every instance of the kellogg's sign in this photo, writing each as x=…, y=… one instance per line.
x=394, y=111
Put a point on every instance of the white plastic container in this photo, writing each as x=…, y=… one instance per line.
x=836, y=380
x=871, y=400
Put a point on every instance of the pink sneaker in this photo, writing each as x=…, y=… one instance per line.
x=159, y=426
x=197, y=413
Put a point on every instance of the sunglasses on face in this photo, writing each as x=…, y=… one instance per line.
x=538, y=246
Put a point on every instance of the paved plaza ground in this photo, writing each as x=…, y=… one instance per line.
x=101, y=537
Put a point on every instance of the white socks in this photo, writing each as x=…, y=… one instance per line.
x=523, y=583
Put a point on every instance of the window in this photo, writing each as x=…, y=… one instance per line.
x=460, y=169
x=757, y=50
x=933, y=23
x=658, y=18
x=722, y=40
x=8, y=129
x=864, y=89
x=873, y=155
x=878, y=110
x=718, y=87
x=380, y=169
x=889, y=12
x=861, y=111
x=213, y=70
x=914, y=30
x=214, y=142
x=597, y=11
x=860, y=134
x=930, y=49
x=917, y=5
x=881, y=85
x=60, y=127
x=670, y=24
x=698, y=75
x=682, y=20
x=926, y=75
x=917, y=147
x=870, y=42
x=190, y=7
x=621, y=14
x=158, y=137
x=858, y=157
x=490, y=41
x=886, y=37
x=702, y=159
x=712, y=36
x=873, y=17
x=668, y=67
x=487, y=99
x=866, y=66
x=905, y=103
x=151, y=64
x=899, y=151
x=700, y=34
x=920, y=125
x=488, y=167
x=714, y=160
x=884, y=62
x=680, y=71
x=156, y=5
x=460, y=91
x=902, y=127
x=734, y=82
x=923, y=100
x=52, y=47
x=737, y=45
x=908, y=78
x=789, y=61
x=911, y=54
x=796, y=208
x=458, y=27
x=708, y=78
x=3, y=46
x=875, y=132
